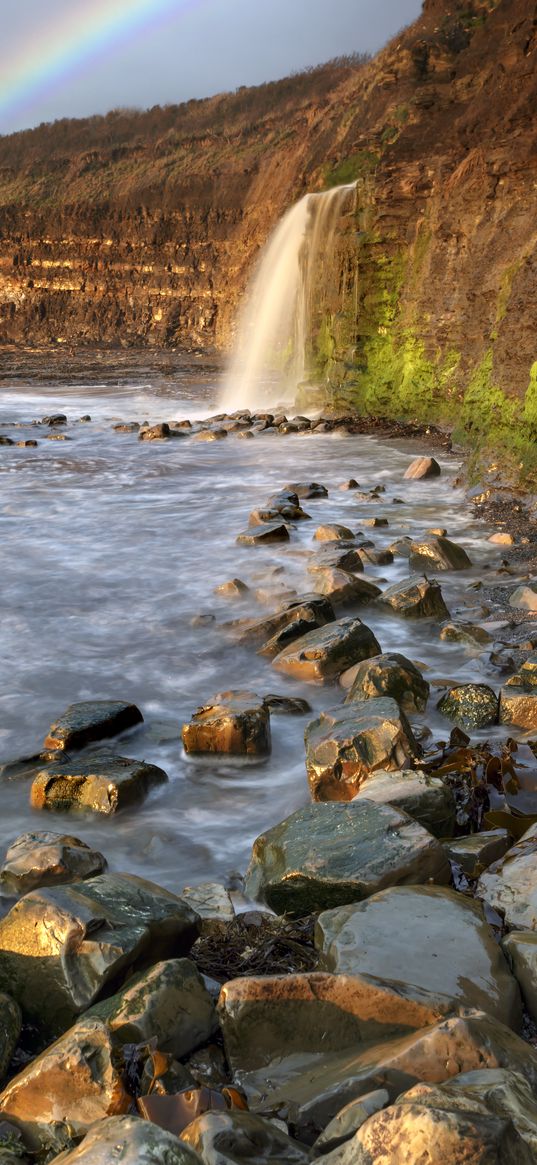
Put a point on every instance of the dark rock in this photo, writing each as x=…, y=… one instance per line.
x=426, y=799
x=127, y=427
x=283, y=705
x=325, y=653
x=416, y=598
x=236, y=1138
x=470, y=705
x=344, y=588
x=313, y=609
x=91, y=720
x=337, y=555
x=390, y=675
x=155, y=432
x=269, y=532
x=308, y=489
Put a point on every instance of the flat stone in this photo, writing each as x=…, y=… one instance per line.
x=212, y=903
x=467, y=633
x=518, y=707
x=422, y=467
x=131, y=1141
x=235, y=722
x=510, y=885
x=269, y=532
x=521, y=949
x=416, y=598
x=102, y=782
x=91, y=720
x=406, y=935
x=342, y=587
x=325, y=653
x=60, y=946
x=237, y=1138
x=345, y=744
x=308, y=489
x=524, y=598
x=327, y=855
x=477, y=851
x=426, y=799
x=470, y=705
x=350, y=1119
x=390, y=675
x=332, y=532
x=438, y=553
x=45, y=859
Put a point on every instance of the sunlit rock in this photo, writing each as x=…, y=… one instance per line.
x=422, y=467
x=101, y=782
x=211, y=901
x=332, y=532
x=45, y=859
x=241, y=1138
x=267, y=532
x=350, y=1119
x=390, y=675
x=416, y=598
x=347, y=743
x=510, y=885
x=344, y=588
x=518, y=706
x=235, y=722
x=438, y=554
x=325, y=653
x=470, y=705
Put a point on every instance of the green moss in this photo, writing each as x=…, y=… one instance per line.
x=350, y=169
x=530, y=405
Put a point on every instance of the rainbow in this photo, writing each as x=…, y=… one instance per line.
x=51, y=57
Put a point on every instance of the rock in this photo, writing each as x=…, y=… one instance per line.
x=45, y=859
x=401, y=547
x=82, y=723
x=510, y=885
x=333, y=533
x=312, y=609
x=74, y=1080
x=325, y=653
x=528, y=671
x=269, y=532
x=132, y=1141
x=54, y=419
x=470, y=705
x=160, y=432
x=350, y=1119
x=524, y=598
x=345, y=744
x=501, y=538
x=344, y=588
x=330, y=854
x=466, y=633
x=438, y=554
x=10, y=1030
x=340, y=556
x=426, y=799
x=169, y=1003
x=521, y=950
x=375, y=522
x=210, y=435
x=308, y=489
x=475, y=852
x=61, y=946
x=286, y=705
x=25, y=445
x=238, y=1138
x=245, y=434
x=4, y=440
x=390, y=675
x=376, y=557
x=416, y=598
x=102, y=782
x=236, y=722
x=295, y=629
x=291, y=513
x=126, y=427
x=405, y=935
x=234, y=589
x=212, y=903
x=422, y=467
x=351, y=483
x=519, y=707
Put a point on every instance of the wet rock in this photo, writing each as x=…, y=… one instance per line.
x=416, y=598
x=350, y=484
x=203, y=619
x=133, y=1142
x=330, y=854
x=212, y=903
x=26, y=445
x=6, y=440
x=315, y=610
x=325, y=653
x=269, y=532
x=234, y=589
x=45, y=859
x=426, y=799
x=246, y=434
x=349, y=1120
x=401, y=548
x=160, y=432
x=344, y=588
x=333, y=533
x=406, y=935
x=376, y=557
x=390, y=675
x=103, y=783
x=291, y=513
x=286, y=705
x=308, y=489
x=422, y=467
x=238, y=1138
x=438, y=554
x=91, y=720
x=510, y=885
x=60, y=946
x=208, y=1067
x=347, y=743
x=295, y=629
x=519, y=707
x=375, y=522
x=501, y=538
x=126, y=427
x=274, y=593
x=470, y=705
x=521, y=950
x=284, y=497
x=210, y=435
x=343, y=557
x=478, y=851
x=528, y=671
x=467, y=633
x=74, y=1080
x=236, y=722
x=524, y=598
x=10, y=1029
x=169, y=1003
x=54, y=419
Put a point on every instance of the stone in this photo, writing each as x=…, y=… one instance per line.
x=475, y=852
x=287, y=705
x=102, y=782
x=168, y=1003
x=438, y=553
x=344, y=588
x=518, y=707
x=45, y=859
x=390, y=675
x=510, y=885
x=235, y=722
x=521, y=949
x=161, y=432
x=126, y=427
x=324, y=653
x=528, y=671
x=54, y=419
x=416, y=598
x=375, y=522
x=376, y=557
x=470, y=705
x=240, y=1138
x=406, y=935
x=342, y=556
x=425, y=798
x=60, y=946
x=333, y=533
x=10, y=1030
x=210, y=435
x=212, y=903
x=351, y=483
x=350, y=1119
x=308, y=489
x=470, y=634
x=401, y=547
x=346, y=743
x=327, y=855
x=313, y=609
x=422, y=467
x=130, y=1140
x=74, y=1080
x=501, y=538
x=234, y=589
x=295, y=629
x=4, y=440
x=91, y=720
x=269, y=532
x=524, y=598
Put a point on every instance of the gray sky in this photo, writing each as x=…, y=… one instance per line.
x=68, y=58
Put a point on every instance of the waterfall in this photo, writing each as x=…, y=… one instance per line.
x=270, y=353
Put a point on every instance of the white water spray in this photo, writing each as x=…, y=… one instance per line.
x=270, y=354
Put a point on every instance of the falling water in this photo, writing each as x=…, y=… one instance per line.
x=269, y=360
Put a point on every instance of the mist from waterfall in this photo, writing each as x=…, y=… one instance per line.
x=269, y=360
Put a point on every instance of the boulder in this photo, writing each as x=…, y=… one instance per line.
x=235, y=588
x=287, y=705
x=406, y=935
x=376, y=557
x=315, y=610
x=61, y=946
x=345, y=744
x=422, y=467
x=518, y=707
x=470, y=705
x=210, y=435
x=510, y=885
x=295, y=629
x=475, y=852
x=131, y=1141
x=267, y=532
x=160, y=432
x=308, y=489
x=524, y=598
x=401, y=548
x=375, y=523
x=102, y=782
x=416, y=598
x=325, y=653
x=236, y=722
x=394, y=676
x=330, y=854
x=469, y=634
x=438, y=554
x=426, y=799
x=331, y=532
x=350, y=1119
x=45, y=859
x=342, y=587
x=240, y=1138
x=521, y=949
x=91, y=720
x=341, y=556
x=212, y=903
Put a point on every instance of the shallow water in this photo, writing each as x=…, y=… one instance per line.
x=110, y=546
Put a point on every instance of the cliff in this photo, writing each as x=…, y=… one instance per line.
x=141, y=229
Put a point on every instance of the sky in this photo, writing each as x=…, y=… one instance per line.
x=71, y=58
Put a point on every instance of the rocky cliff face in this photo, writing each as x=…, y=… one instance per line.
x=142, y=229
